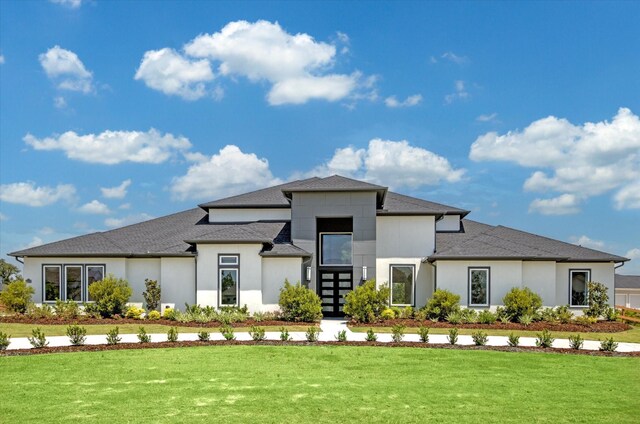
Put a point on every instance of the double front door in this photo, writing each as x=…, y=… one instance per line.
x=333, y=286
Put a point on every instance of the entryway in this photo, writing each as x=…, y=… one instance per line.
x=333, y=286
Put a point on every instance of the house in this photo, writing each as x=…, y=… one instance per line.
x=627, y=290
x=329, y=233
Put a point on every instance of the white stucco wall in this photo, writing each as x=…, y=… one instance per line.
x=249, y=214
x=177, y=281
x=449, y=223
x=137, y=270
x=274, y=272
x=540, y=276
x=600, y=272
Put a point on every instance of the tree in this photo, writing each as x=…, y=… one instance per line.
x=152, y=294
x=16, y=296
x=598, y=299
x=9, y=272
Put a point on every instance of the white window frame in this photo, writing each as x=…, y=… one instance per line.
x=44, y=282
x=413, y=284
x=586, y=282
x=488, y=272
x=228, y=267
x=67, y=266
x=341, y=233
x=234, y=263
x=86, y=278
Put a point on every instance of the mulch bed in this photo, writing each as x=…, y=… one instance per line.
x=121, y=346
x=598, y=327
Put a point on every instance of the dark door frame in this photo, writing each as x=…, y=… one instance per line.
x=335, y=286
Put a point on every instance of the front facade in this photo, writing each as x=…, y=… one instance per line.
x=330, y=234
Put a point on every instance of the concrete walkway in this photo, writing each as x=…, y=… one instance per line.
x=330, y=329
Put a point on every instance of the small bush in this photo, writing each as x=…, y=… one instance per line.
x=133, y=312
x=423, y=332
x=576, y=342
x=4, y=341
x=547, y=315
x=39, y=312
x=366, y=302
x=204, y=336
x=454, y=318
x=143, y=337
x=284, y=334
x=564, y=314
x=505, y=319
x=371, y=336
x=16, y=296
x=421, y=315
x=469, y=316
x=586, y=320
x=110, y=295
x=611, y=314
x=170, y=314
x=172, y=335
x=479, y=338
x=66, y=309
x=342, y=336
x=37, y=339
x=312, y=334
x=91, y=310
x=153, y=315
x=544, y=339
x=227, y=332
x=77, y=335
x=453, y=336
x=406, y=313
x=397, y=333
x=487, y=317
x=257, y=333
x=519, y=302
x=387, y=314
x=513, y=340
x=152, y=294
x=441, y=304
x=608, y=345
x=258, y=316
x=113, y=337
x=598, y=299
x=299, y=303
x=525, y=319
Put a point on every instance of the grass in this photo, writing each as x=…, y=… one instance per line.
x=24, y=330
x=629, y=336
x=269, y=384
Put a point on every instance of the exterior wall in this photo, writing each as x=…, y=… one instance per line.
x=361, y=206
x=541, y=278
x=177, y=282
x=629, y=298
x=274, y=272
x=406, y=240
x=600, y=272
x=449, y=223
x=250, y=275
x=249, y=214
x=136, y=272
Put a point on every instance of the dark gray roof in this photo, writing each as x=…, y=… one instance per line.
x=482, y=241
x=399, y=204
x=271, y=197
x=627, y=281
x=333, y=183
x=285, y=250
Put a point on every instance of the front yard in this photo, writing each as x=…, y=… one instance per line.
x=318, y=384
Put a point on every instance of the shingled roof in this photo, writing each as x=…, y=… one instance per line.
x=399, y=204
x=270, y=197
x=482, y=241
x=627, y=281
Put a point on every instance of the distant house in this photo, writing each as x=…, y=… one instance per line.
x=628, y=290
x=331, y=234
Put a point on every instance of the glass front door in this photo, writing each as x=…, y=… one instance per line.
x=334, y=285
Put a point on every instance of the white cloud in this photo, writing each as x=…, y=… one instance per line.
x=67, y=70
x=302, y=89
x=118, y=192
x=59, y=102
x=127, y=220
x=487, y=118
x=392, y=102
x=460, y=93
x=35, y=242
x=633, y=254
x=227, y=173
x=585, y=160
x=585, y=241
x=95, y=207
x=1, y=59
x=459, y=60
x=167, y=71
x=125, y=206
x=46, y=231
x=29, y=194
x=565, y=204
x=113, y=147
x=3, y=217
x=72, y=4
x=392, y=163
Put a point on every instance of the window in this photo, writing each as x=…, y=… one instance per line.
x=73, y=282
x=94, y=273
x=70, y=281
x=228, y=283
x=52, y=283
x=478, y=286
x=578, y=289
x=402, y=279
x=336, y=248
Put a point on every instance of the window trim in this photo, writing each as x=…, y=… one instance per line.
x=344, y=233
x=44, y=282
x=86, y=279
x=228, y=267
x=588, y=272
x=82, y=270
x=413, y=285
x=236, y=257
x=478, y=268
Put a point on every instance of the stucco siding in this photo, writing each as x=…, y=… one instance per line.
x=274, y=272
x=423, y=277
x=137, y=271
x=541, y=278
x=600, y=272
x=405, y=236
x=178, y=281
x=448, y=223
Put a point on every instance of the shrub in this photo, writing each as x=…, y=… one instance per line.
x=598, y=299
x=576, y=342
x=547, y=315
x=67, y=309
x=113, y=337
x=366, y=303
x=423, y=332
x=111, y=295
x=91, y=310
x=134, y=312
x=312, y=334
x=152, y=294
x=16, y=296
x=170, y=314
x=143, y=337
x=4, y=341
x=371, y=336
x=259, y=316
x=611, y=314
x=257, y=333
x=453, y=336
x=37, y=339
x=608, y=345
x=204, y=336
x=564, y=314
x=387, y=314
x=586, y=320
x=505, y=319
x=39, y=312
x=284, y=334
x=518, y=302
x=501, y=315
x=227, y=332
x=525, y=319
x=469, y=316
x=486, y=317
x=421, y=315
x=397, y=333
x=299, y=303
x=454, y=318
x=342, y=336
x=153, y=315
x=406, y=312
x=544, y=339
x=172, y=335
x=479, y=338
x=513, y=340
x=77, y=335
x=441, y=304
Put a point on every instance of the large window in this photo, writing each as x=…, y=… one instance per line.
x=52, y=282
x=479, y=286
x=228, y=283
x=578, y=289
x=94, y=273
x=336, y=248
x=402, y=282
x=73, y=282
x=70, y=281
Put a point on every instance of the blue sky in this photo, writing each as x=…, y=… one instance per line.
x=524, y=113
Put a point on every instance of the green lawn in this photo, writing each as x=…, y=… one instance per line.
x=268, y=384
x=629, y=336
